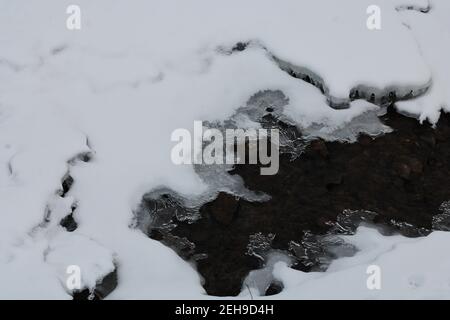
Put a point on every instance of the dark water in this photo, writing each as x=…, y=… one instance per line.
x=398, y=180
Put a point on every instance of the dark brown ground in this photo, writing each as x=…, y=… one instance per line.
x=403, y=176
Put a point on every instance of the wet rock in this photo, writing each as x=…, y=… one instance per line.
x=408, y=166
x=274, y=288
x=334, y=180
x=223, y=209
x=442, y=132
x=69, y=223
x=403, y=170
x=429, y=139
x=416, y=166
x=320, y=148
x=240, y=46
x=365, y=140
x=67, y=183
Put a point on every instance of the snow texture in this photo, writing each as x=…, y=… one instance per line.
x=136, y=71
x=409, y=269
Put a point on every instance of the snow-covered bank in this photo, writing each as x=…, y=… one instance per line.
x=432, y=31
x=136, y=71
x=409, y=269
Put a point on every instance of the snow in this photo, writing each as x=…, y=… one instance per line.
x=136, y=71
x=409, y=269
x=436, y=52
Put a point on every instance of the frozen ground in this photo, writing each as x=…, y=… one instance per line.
x=137, y=70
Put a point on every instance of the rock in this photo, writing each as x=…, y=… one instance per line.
x=429, y=139
x=442, y=134
x=333, y=180
x=240, y=46
x=69, y=223
x=223, y=209
x=66, y=183
x=416, y=166
x=403, y=170
x=406, y=166
x=274, y=288
x=365, y=140
x=320, y=148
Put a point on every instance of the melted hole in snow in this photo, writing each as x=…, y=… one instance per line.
x=262, y=280
x=324, y=188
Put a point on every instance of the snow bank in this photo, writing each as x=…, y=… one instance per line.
x=118, y=87
x=409, y=269
x=432, y=31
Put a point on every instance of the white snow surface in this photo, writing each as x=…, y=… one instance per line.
x=136, y=71
x=408, y=269
x=432, y=32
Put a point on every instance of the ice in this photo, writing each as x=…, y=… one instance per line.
x=258, y=281
x=441, y=221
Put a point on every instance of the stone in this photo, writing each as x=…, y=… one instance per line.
x=223, y=209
